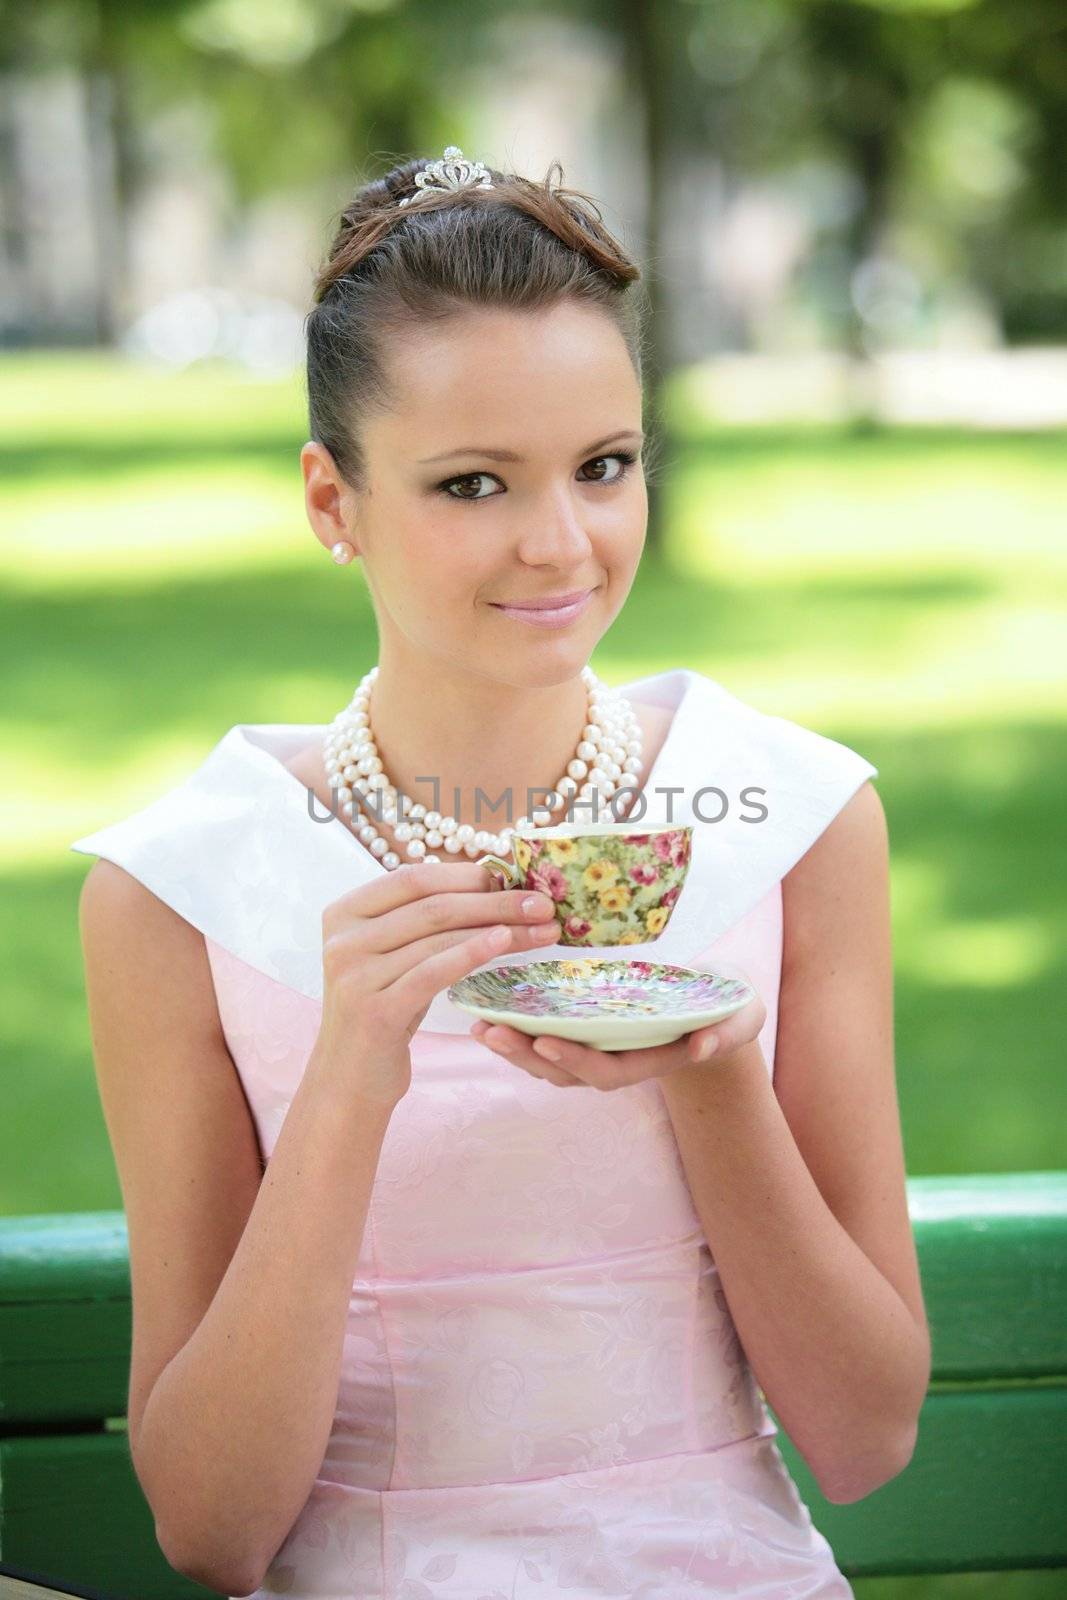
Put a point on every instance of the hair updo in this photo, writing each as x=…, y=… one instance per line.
x=521, y=246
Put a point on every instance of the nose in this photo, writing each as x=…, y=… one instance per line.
x=556, y=535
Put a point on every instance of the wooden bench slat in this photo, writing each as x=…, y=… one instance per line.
x=983, y=1492
x=993, y=1259
x=74, y=1512
x=65, y=1255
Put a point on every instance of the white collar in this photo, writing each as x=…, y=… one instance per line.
x=233, y=849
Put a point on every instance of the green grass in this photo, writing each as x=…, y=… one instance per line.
x=903, y=591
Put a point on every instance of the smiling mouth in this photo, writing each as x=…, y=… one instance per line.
x=551, y=603
x=546, y=616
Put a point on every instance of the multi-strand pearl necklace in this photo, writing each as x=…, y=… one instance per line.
x=608, y=758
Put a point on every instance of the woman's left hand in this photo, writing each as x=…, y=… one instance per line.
x=580, y=1066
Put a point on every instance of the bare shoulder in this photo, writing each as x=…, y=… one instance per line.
x=131, y=935
x=844, y=874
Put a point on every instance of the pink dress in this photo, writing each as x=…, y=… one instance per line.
x=542, y=1389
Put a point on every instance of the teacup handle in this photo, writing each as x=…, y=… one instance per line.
x=512, y=875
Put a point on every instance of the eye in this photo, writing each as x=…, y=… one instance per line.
x=626, y=459
x=468, y=477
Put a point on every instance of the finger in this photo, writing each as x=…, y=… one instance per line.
x=460, y=951
x=409, y=881
x=517, y=1047
x=722, y=1038
x=616, y=1069
x=423, y=979
x=394, y=955
x=562, y=1080
x=441, y=912
x=600, y=1069
x=413, y=880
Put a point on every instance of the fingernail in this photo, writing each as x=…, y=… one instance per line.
x=531, y=904
x=551, y=1052
x=707, y=1047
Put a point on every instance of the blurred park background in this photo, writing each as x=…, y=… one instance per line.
x=851, y=219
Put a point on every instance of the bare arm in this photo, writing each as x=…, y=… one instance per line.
x=801, y=1186
x=241, y=1281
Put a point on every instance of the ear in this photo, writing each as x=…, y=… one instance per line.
x=327, y=498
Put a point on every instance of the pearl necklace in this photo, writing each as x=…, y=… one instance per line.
x=609, y=750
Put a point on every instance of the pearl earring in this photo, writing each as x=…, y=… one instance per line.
x=342, y=552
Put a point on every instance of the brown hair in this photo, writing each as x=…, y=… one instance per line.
x=520, y=245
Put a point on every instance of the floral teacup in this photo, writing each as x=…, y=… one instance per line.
x=611, y=883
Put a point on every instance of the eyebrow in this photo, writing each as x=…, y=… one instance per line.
x=510, y=455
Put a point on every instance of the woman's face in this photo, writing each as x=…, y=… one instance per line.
x=446, y=528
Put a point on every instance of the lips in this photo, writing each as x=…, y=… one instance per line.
x=547, y=613
x=553, y=602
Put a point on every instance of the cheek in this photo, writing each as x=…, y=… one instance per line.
x=433, y=577
x=621, y=535
x=621, y=555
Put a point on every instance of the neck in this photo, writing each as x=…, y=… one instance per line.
x=471, y=733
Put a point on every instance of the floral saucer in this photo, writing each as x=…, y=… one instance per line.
x=610, y=1005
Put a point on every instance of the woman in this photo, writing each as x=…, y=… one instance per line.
x=408, y=1321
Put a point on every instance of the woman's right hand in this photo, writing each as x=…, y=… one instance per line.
x=391, y=945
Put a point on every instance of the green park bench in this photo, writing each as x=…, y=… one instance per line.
x=986, y=1489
